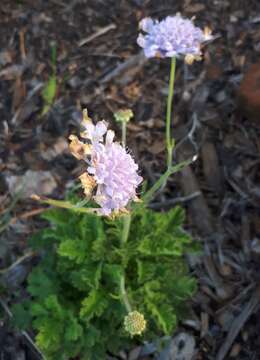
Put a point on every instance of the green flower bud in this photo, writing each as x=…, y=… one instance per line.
x=135, y=323
x=123, y=115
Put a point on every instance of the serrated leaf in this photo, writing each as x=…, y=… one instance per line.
x=49, y=335
x=93, y=305
x=57, y=216
x=21, y=315
x=52, y=305
x=40, y=285
x=113, y=273
x=73, y=249
x=37, y=309
x=92, y=335
x=146, y=270
x=88, y=277
x=43, y=240
x=184, y=287
x=164, y=316
x=74, y=330
x=168, y=245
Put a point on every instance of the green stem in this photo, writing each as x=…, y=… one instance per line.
x=64, y=205
x=162, y=180
x=169, y=141
x=125, y=234
x=124, y=296
x=126, y=228
x=124, y=133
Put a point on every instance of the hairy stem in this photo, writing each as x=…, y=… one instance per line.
x=162, y=180
x=125, y=234
x=169, y=141
x=123, y=294
x=124, y=133
x=126, y=228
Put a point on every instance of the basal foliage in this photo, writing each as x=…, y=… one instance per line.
x=75, y=304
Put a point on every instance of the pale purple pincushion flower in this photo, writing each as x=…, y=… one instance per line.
x=113, y=169
x=171, y=37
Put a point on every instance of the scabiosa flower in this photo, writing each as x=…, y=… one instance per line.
x=172, y=37
x=111, y=171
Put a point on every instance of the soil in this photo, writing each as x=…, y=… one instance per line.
x=99, y=66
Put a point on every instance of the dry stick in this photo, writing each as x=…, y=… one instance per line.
x=238, y=323
x=173, y=202
x=198, y=206
x=21, y=259
x=98, y=33
x=22, y=45
x=134, y=61
x=24, y=333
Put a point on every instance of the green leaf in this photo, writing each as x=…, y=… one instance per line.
x=74, y=250
x=49, y=337
x=166, y=246
x=88, y=277
x=52, y=304
x=44, y=239
x=93, y=305
x=40, y=285
x=21, y=315
x=74, y=330
x=37, y=309
x=113, y=273
x=184, y=287
x=164, y=315
x=146, y=270
x=91, y=337
x=49, y=93
x=56, y=216
x=161, y=234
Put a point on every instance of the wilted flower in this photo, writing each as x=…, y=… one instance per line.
x=111, y=171
x=172, y=37
x=135, y=323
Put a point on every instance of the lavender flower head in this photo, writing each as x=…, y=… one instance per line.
x=111, y=171
x=172, y=37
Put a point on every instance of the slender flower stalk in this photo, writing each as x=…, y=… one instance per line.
x=124, y=134
x=169, y=139
x=125, y=232
x=173, y=37
x=123, y=294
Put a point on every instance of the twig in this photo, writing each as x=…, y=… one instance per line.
x=238, y=323
x=17, y=262
x=172, y=202
x=133, y=61
x=58, y=2
x=98, y=33
x=24, y=333
x=22, y=45
x=190, y=136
